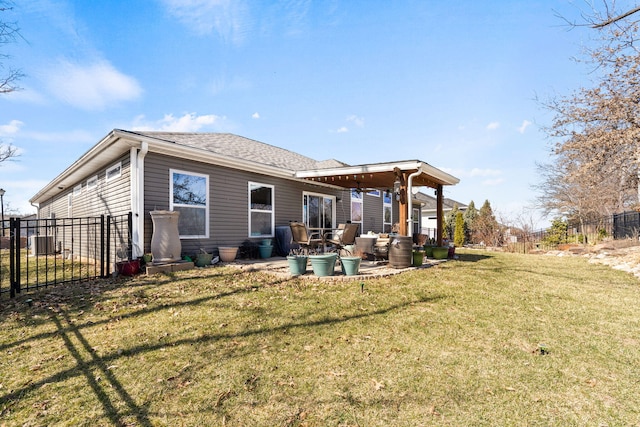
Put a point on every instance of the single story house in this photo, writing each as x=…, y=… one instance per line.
x=229, y=188
x=429, y=212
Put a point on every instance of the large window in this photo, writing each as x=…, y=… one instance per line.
x=319, y=210
x=189, y=195
x=261, y=218
x=387, y=211
x=356, y=207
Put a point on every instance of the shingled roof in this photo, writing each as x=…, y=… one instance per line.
x=231, y=145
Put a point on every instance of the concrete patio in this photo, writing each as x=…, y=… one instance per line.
x=368, y=269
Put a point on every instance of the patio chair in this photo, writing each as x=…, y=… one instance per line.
x=306, y=240
x=344, y=236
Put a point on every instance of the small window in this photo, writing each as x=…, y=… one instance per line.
x=261, y=211
x=375, y=193
x=114, y=171
x=92, y=182
x=356, y=206
x=387, y=212
x=77, y=190
x=189, y=195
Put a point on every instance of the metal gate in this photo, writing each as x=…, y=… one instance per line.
x=38, y=253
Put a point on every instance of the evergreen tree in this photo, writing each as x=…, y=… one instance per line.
x=487, y=228
x=470, y=217
x=450, y=222
x=458, y=238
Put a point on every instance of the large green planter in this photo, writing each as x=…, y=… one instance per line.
x=441, y=252
x=323, y=264
x=350, y=265
x=202, y=260
x=265, y=251
x=297, y=264
x=418, y=258
x=428, y=251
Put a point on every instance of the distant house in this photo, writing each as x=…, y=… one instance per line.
x=229, y=188
x=429, y=222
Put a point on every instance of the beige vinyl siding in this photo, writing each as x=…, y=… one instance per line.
x=107, y=198
x=228, y=200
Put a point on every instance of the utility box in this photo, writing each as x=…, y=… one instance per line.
x=42, y=245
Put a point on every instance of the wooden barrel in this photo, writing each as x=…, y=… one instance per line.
x=400, y=251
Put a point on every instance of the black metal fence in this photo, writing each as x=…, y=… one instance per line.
x=620, y=226
x=37, y=253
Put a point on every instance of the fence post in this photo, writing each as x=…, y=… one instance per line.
x=108, y=235
x=102, y=242
x=129, y=234
x=14, y=256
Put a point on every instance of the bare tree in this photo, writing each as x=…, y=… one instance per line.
x=595, y=167
x=9, y=33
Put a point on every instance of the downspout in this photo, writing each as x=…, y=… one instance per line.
x=137, y=198
x=410, y=200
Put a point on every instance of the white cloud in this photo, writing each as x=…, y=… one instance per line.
x=358, y=121
x=255, y=115
x=343, y=129
x=229, y=18
x=10, y=128
x=524, y=126
x=189, y=122
x=484, y=172
x=91, y=86
x=492, y=182
x=493, y=126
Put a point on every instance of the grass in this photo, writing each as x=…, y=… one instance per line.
x=453, y=345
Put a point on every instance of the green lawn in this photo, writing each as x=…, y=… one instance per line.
x=453, y=345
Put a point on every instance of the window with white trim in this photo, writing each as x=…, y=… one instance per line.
x=92, y=182
x=356, y=207
x=189, y=195
x=318, y=210
x=261, y=210
x=113, y=172
x=387, y=211
x=77, y=190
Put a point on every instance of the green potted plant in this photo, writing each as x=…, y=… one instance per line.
x=350, y=264
x=297, y=262
x=323, y=264
x=428, y=247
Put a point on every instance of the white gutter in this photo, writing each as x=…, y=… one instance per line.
x=410, y=200
x=136, y=180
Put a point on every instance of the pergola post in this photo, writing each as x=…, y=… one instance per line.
x=402, y=203
x=439, y=214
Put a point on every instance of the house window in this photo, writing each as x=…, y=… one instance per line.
x=375, y=193
x=92, y=182
x=356, y=207
x=318, y=210
x=261, y=218
x=387, y=211
x=415, y=217
x=77, y=190
x=114, y=172
x=189, y=195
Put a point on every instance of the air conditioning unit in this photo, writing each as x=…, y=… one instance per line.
x=42, y=245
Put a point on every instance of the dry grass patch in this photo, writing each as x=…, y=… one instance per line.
x=456, y=345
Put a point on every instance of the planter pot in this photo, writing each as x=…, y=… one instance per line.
x=202, y=260
x=146, y=258
x=418, y=258
x=324, y=264
x=266, y=242
x=428, y=251
x=440, y=252
x=265, y=251
x=452, y=251
x=128, y=268
x=400, y=248
x=350, y=265
x=297, y=264
x=227, y=254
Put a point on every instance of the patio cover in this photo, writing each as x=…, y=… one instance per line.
x=404, y=175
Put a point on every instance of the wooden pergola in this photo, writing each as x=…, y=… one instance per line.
x=399, y=177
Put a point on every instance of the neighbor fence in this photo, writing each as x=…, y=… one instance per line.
x=37, y=253
x=620, y=226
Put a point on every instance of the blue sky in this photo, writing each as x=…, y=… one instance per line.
x=449, y=83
